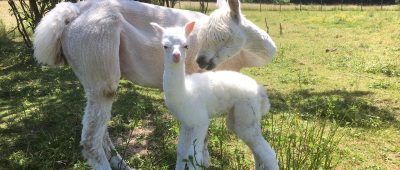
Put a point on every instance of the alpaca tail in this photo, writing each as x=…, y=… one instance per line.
x=265, y=104
x=47, y=45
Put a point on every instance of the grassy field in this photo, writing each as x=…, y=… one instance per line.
x=334, y=87
x=347, y=63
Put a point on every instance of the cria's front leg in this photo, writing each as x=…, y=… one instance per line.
x=206, y=154
x=182, y=147
x=196, y=148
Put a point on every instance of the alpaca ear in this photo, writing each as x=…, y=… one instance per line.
x=222, y=4
x=157, y=27
x=189, y=28
x=234, y=6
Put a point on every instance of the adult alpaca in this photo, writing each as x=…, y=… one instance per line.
x=195, y=99
x=105, y=40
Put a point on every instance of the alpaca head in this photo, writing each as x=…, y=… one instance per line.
x=174, y=41
x=221, y=37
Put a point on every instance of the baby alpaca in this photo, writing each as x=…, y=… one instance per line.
x=194, y=99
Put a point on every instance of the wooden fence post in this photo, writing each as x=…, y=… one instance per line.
x=361, y=5
x=321, y=6
x=341, y=5
x=300, y=5
x=266, y=25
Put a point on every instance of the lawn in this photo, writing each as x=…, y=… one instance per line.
x=336, y=74
x=345, y=63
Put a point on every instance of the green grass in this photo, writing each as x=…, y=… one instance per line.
x=330, y=110
x=357, y=85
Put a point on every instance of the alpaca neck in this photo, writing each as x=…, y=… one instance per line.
x=174, y=81
x=258, y=41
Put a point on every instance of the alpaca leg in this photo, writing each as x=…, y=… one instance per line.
x=92, y=50
x=245, y=123
x=113, y=156
x=206, y=154
x=94, y=122
x=182, y=147
x=196, y=147
x=264, y=155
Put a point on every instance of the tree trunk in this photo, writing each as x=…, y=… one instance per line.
x=34, y=8
x=20, y=24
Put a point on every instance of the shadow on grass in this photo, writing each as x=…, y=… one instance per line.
x=145, y=127
x=345, y=107
x=40, y=113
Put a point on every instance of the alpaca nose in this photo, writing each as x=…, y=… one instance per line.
x=204, y=63
x=176, y=57
x=201, y=61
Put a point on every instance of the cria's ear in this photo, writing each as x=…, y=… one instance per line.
x=222, y=4
x=234, y=6
x=157, y=27
x=189, y=28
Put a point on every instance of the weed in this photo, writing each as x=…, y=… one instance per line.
x=382, y=68
x=363, y=45
x=380, y=85
x=302, y=145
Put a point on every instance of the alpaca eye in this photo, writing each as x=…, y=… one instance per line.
x=165, y=47
x=186, y=46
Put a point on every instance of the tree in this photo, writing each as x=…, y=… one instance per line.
x=167, y=3
x=203, y=6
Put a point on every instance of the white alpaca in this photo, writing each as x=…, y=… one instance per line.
x=194, y=99
x=106, y=40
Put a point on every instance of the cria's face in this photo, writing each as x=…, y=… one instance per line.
x=175, y=48
x=174, y=41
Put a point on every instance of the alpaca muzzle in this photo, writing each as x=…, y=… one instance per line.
x=176, y=57
x=204, y=63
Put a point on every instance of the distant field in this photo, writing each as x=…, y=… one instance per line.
x=337, y=66
x=277, y=7
x=8, y=20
